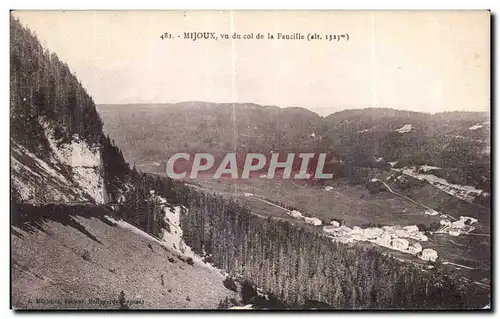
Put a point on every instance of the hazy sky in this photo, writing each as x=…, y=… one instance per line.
x=422, y=61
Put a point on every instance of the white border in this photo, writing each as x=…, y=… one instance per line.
x=256, y=4
x=148, y=4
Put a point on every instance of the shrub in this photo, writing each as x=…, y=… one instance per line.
x=228, y=303
x=86, y=255
x=375, y=187
x=434, y=226
x=223, y=303
x=230, y=284
x=208, y=259
x=122, y=301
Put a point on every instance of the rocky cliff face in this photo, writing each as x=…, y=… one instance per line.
x=69, y=172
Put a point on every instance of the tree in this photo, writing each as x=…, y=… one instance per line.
x=122, y=301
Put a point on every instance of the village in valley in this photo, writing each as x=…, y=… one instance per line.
x=401, y=238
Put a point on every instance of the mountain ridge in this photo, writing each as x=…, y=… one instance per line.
x=257, y=105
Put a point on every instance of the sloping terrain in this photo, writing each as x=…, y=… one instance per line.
x=78, y=253
x=441, y=201
x=67, y=178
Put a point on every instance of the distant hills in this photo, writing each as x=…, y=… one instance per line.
x=457, y=142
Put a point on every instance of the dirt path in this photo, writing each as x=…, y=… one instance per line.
x=248, y=197
x=476, y=234
x=457, y=265
x=408, y=198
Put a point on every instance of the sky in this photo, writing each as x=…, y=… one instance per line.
x=421, y=61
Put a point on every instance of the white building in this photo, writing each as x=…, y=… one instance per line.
x=400, y=243
x=429, y=254
x=411, y=229
x=372, y=232
x=470, y=219
x=384, y=239
x=401, y=233
x=454, y=232
x=419, y=236
x=357, y=230
x=458, y=224
x=313, y=221
x=335, y=223
x=296, y=214
x=415, y=248
x=445, y=222
x=390, y=230
x=431, y=212
x=344, y=230
x=330, y=229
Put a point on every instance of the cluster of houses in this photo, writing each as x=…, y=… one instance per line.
x=310, y=220
x=461, y=226
x=432, y=212
x=465, y=192
x=404, y=238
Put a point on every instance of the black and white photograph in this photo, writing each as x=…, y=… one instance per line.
x=250, y=160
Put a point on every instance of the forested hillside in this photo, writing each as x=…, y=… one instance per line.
x=50, y=110
x=43, y=86
x=457, y=143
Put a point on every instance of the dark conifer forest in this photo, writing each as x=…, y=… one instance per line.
x=43, y=87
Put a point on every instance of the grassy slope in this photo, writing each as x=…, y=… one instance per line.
x=441, y=201
x=48, y=256
x=344, y=203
